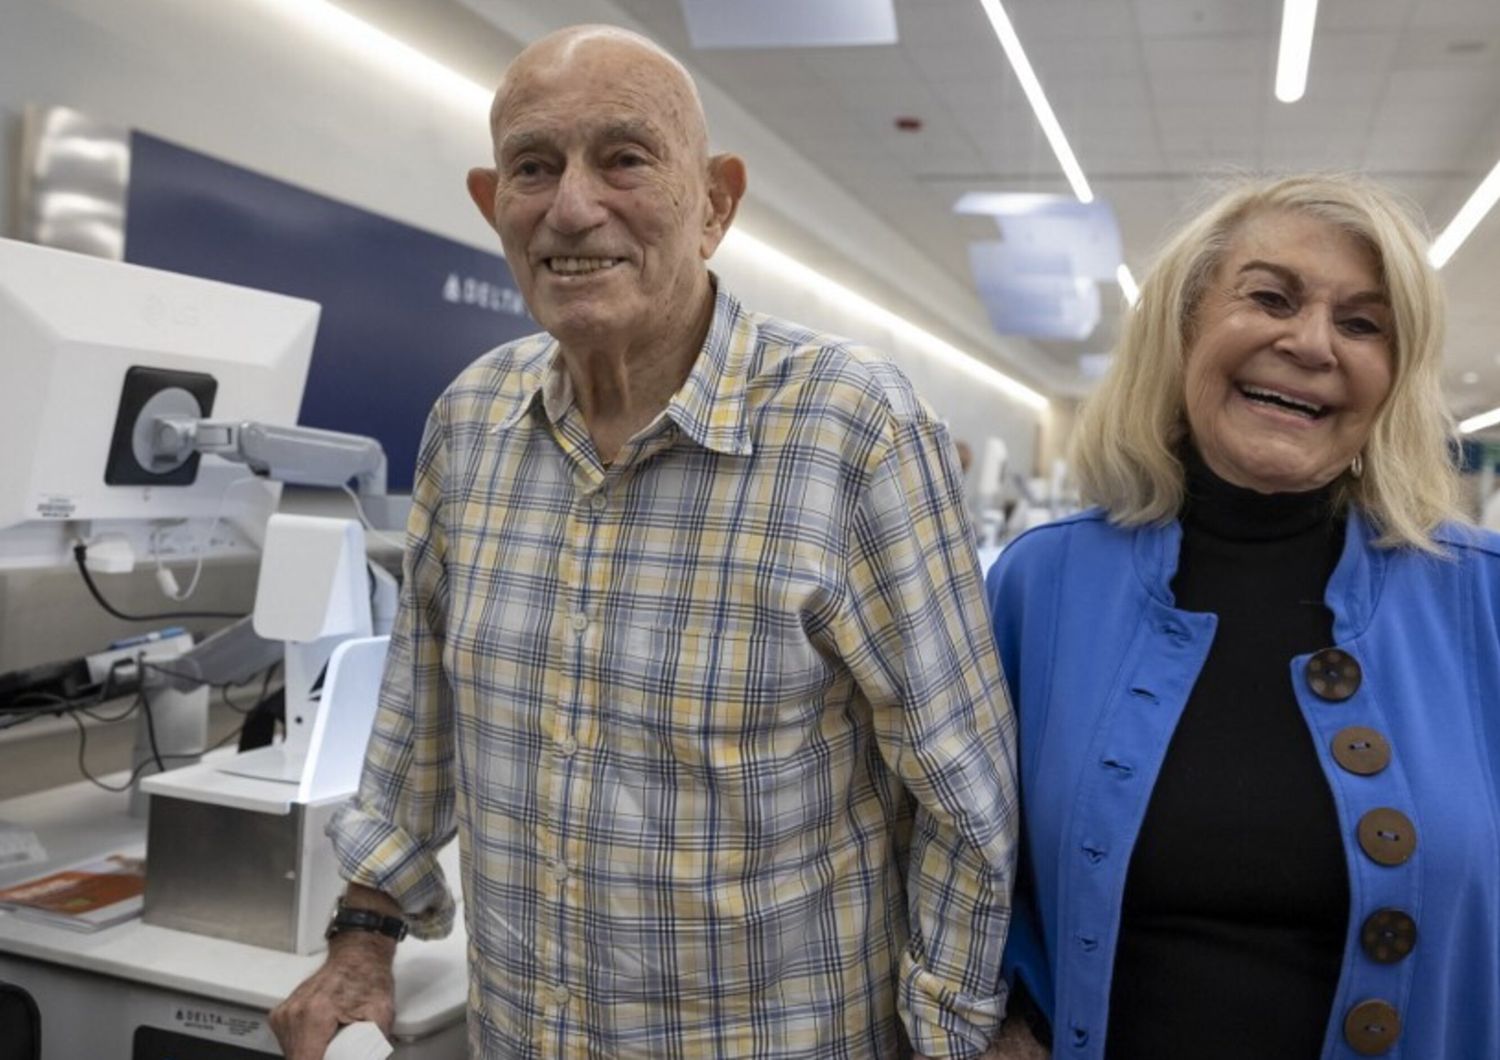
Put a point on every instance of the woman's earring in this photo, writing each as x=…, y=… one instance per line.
x=1357, y=467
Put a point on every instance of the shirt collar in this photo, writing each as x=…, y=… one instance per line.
x=708, y=408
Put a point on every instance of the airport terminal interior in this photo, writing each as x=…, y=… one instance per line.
x=240, y=264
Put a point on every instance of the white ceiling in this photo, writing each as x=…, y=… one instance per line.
x=1157, y=97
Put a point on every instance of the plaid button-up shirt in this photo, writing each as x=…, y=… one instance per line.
x=720, y=726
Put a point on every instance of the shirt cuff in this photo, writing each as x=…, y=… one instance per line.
x=375, y=853
x=944, y=1024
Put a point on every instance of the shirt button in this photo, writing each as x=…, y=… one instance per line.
x=560, y=995
x=1387, y=836
x=1333, y=675
x=567, y=745
x=1372, y=1027
x=598, y=502
x=1361, y=750
x=558, y=870
x=1388, y=935
x=579, y=622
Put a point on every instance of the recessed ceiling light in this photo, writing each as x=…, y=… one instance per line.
x=1298, y=17
x=1000, y=21
x=1480, y=422
x=1466, y=220
x=1470, y=378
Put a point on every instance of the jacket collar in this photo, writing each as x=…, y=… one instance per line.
x=1353, y=588
x=709, y=408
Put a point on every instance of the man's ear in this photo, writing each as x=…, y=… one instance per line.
x=726, y=187
x=482, y=185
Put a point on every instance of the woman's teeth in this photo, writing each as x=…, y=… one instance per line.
x=1280, y=400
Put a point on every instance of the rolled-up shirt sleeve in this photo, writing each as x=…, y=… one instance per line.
x=916, y=635
x=389, y=835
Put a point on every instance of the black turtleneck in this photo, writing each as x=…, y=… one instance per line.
x=1237, y=898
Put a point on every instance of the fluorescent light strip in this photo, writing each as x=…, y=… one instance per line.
x=1466, y=220
x=1298, y=18
x=791, y=270
x=1480, y=422
x=1038, y=99
x=341, y=29
x=1127, y=284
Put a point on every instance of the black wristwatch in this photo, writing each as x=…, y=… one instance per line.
x=352, y=918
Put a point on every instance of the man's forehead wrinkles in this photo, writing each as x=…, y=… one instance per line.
x=603, y=128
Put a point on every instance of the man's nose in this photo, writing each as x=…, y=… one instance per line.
x=578, y=204
x=1309, y=337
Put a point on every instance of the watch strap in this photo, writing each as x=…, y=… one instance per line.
x=353, y=918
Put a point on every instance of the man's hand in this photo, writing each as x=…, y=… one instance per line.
x=355, y=983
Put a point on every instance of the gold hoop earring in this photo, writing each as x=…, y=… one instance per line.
x=1357, y=466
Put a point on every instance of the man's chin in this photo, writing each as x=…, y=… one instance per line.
x=584, y=323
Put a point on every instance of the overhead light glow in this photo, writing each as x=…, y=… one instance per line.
x=1127, y=284
x=1480, y=422
x=1297, y=20
x=1007, y=203
x=1466, y=220
x=1038, y=99
x=341, y=29
x=793, y=271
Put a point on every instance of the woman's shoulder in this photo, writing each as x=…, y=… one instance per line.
x=1042, y=544
x=1470, y=540
x=1051, y=553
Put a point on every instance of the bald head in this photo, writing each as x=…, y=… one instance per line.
x=562, y=54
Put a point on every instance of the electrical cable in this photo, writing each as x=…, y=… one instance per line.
x=145, y=701
x=140, y=768
x=80, y=553
x=142, y=701
x=164, y=578
x=364, y=520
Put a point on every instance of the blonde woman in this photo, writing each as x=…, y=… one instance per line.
x=1258, y=685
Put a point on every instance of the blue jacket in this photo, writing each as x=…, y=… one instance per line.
x=1100, y=665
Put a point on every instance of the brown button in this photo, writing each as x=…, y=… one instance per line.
x=1333, y=675
x=1388, y=935
x=1387, y=835
x=1361, y=750
x=1372, y=1027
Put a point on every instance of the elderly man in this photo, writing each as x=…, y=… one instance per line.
x=692, y=651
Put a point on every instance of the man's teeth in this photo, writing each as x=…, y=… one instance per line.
x=1274, y=397
x=574, y=266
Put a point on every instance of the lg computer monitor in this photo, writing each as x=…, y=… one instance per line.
x=72, y=328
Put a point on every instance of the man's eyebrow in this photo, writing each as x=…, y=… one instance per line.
x=1294, y=281
x=526, y=140
x=632, y=130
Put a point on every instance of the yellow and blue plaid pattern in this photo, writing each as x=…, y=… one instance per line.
x=720, y=726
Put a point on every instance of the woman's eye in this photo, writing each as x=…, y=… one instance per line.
x=1272, y=300
x=1362, y=326
x=629, y=160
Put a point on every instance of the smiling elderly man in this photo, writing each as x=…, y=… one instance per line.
x=692, y=653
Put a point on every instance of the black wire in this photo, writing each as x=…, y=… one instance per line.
x=135, y=774
x=145, y=702
x=81, y=551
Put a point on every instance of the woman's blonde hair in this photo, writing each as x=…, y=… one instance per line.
x=1127, y=444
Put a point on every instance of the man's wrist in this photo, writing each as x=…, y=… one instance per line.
x=355, y=918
